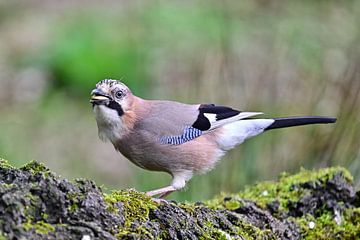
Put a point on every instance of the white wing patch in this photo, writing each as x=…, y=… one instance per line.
x=217, y=123
x=211, y=117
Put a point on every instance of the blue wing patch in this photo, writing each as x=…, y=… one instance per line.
x=189, y=134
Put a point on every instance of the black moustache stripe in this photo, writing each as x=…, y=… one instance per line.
x=116, y=106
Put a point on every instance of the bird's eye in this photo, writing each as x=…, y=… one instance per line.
x=119, y=94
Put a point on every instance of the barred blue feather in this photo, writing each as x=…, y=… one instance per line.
x=189, y=134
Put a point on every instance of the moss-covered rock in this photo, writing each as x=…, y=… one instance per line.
x=37, y=204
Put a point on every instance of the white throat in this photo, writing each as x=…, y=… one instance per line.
x=110, y=125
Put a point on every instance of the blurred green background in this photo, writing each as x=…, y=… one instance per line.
x=279, y=57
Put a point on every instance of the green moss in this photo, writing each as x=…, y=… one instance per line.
x=211, y=232
x=31, y=210
x=5, y=164
x=74, y=198
x=233, y=204
x=219, y=234
x=8, y=185
x=31, y=207
x=249, y=231
x=282, y=191
x=207, y=234
x=40, y=227
x=73, y=207
x=35, y=167
x=325, y=226
x=241, y=228
x=323, y=174
x=188, y=207
x=136, y=208
x=136, y=204
x=44, y=215
x=2, y=236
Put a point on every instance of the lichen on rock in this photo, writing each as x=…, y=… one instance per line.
x=36, y=204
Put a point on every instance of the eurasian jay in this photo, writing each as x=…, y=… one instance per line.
x=177, y=138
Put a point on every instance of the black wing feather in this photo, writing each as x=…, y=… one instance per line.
x=202, y=123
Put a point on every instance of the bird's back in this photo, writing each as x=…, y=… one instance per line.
x=143, y=144
x=166, y=117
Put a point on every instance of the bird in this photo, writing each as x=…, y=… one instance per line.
x=173, y=137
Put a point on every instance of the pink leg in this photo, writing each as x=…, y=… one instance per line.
x=178, y=182
x=163, y=192
x=164, y=195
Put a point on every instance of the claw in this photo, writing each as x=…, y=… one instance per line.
x=160, y=201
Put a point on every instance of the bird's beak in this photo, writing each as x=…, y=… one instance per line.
x=99, y=97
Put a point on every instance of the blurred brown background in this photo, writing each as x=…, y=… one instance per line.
x=279, y=57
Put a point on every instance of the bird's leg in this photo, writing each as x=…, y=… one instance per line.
x=164, y=195
x=178, y=182
x=163, y=192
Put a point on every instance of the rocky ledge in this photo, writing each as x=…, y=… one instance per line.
x=37, y=204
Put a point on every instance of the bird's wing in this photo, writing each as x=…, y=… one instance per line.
x=176, y=123
x=211, y=116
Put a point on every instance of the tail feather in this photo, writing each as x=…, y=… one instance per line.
x=298, y=121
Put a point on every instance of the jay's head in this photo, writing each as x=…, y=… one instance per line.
x=111, y=96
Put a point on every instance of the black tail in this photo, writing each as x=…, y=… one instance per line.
x=298, y=121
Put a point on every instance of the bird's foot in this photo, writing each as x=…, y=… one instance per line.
x=160, y=201
x=162, y=192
